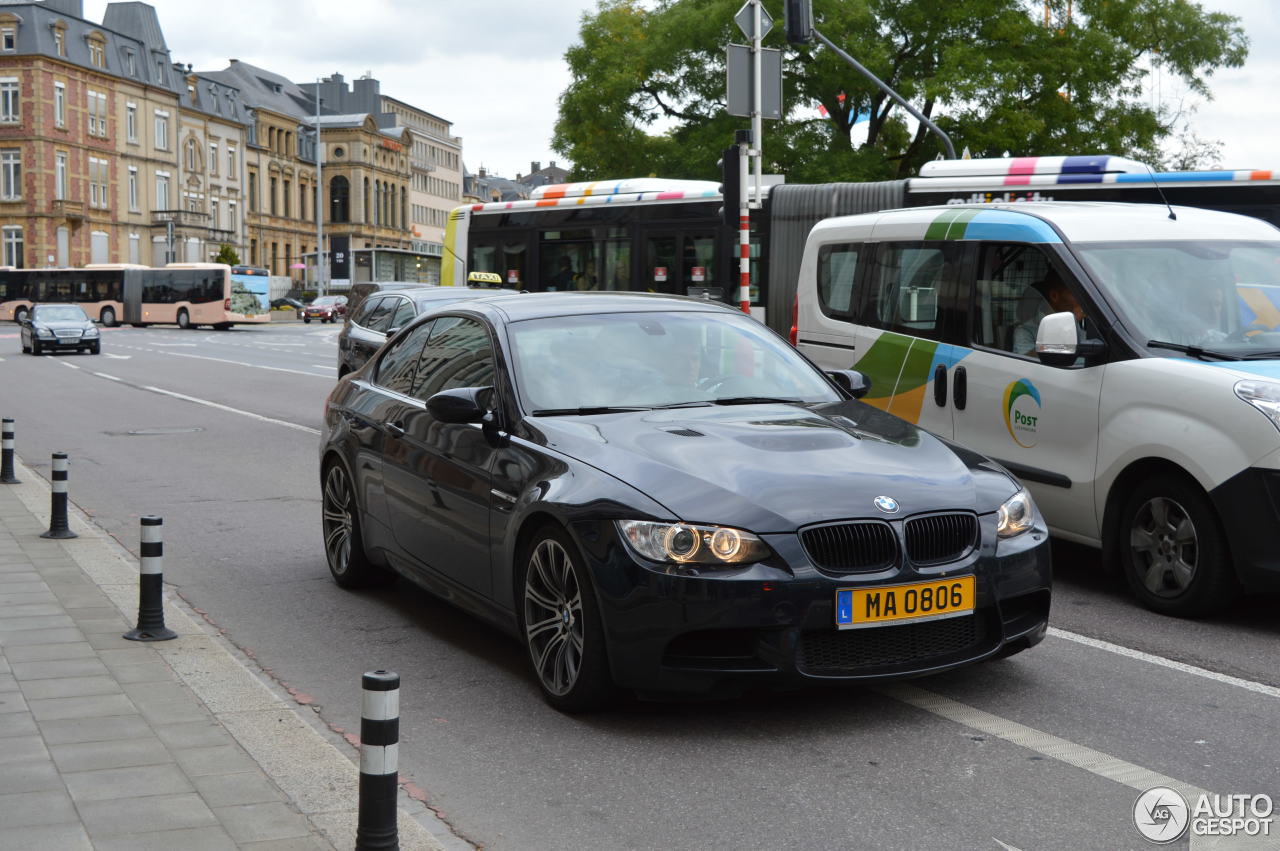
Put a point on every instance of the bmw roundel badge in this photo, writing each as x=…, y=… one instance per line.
x=887, y=504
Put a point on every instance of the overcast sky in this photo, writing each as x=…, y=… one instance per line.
x=495, y=68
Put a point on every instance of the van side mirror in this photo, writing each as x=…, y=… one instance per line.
x=850, y=381
x=1058, y=340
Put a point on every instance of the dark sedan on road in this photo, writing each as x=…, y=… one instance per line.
x=382, y=314
x=660, y=494
x=59, y=327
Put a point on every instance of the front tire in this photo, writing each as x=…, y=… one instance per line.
x=1173, y=552
x=36, y=348
x=306, y=320
x=95, y=348
x=343, y=544
x=560, y=622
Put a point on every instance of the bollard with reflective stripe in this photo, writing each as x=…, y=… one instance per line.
x=58, y=527
x=150, y=585
x=6, y=454
x=379, y=753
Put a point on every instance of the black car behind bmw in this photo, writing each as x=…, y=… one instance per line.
x=662, y=495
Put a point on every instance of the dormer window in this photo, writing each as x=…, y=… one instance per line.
x=60, y=37
x=8, y=38
x=131, y=63
x=97, y=49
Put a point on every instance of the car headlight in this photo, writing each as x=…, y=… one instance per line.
x=1017, y=515
x=91, y=331
x=42, y=331
x=690, y=543
x=1263, y=395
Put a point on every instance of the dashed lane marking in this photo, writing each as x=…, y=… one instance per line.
x=111, y=377
x=231, y=410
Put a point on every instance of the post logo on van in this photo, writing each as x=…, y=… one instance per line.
x=1022, y=412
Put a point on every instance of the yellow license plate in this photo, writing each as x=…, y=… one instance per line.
x=918, y=601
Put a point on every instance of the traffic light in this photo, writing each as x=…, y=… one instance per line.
x=798, y=15
x=730, y=186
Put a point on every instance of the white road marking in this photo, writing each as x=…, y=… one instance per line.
x=116, y=357
x=229, y=409
x=242, y=363
x=273, y=343
x=1095, y=762
x=64, y=363
x=191, y=345
x=1226, y=679
x=321, y=365
x=104, y=375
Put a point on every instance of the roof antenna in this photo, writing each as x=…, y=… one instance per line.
x=1172, y=216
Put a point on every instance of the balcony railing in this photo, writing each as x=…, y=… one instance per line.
x=68, y=209
x=189, y=218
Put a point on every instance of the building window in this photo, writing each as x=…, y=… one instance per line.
x=162, y=130
x=273, y=184
x=213, y=158
x=9, y=109
x=286, y=199
x=10, y=174
x=133, y=187
x=59, y=40
x=97, y=114
x=60, y=104
x=339, y=199
x=97, y=182
x=8, y=39
x=253, y=252
x=191, y=155
x=213, y=213
x=60, y=175
x=160, y=70
x=134, y=252
x=162, y=190
x=131, y=121
x=13, y=246
x=231, y=215
x=231, y=163
x=97, y=54
x=131, y=62
x=253, y=191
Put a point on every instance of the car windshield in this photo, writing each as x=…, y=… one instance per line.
x=325, y=301
x=1219, y=294
x=645, y=360
x=59, y=313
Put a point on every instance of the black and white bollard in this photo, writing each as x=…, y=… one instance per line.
x=58, y=527
x=150, y=591
x=379, y=752
x=6, y=454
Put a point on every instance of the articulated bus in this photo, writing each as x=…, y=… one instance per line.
x=184, y=294
x=668, y=236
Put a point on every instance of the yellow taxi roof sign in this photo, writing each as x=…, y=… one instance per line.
x=484, y=279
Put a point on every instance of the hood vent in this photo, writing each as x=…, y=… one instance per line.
x=684, y=432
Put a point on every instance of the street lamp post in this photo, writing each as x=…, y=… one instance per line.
x=319, y=202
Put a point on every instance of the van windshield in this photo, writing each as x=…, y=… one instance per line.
x=1213, y=293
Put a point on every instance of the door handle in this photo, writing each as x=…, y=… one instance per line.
x=940, y=386
x=396, y=428
x=961, y=388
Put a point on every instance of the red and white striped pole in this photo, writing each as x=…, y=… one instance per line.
x=744, y=231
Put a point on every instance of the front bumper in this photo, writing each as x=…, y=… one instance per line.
x=1249, y=505
x=77, y=342
x=773, y=623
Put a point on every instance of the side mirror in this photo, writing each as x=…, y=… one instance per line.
x=459, y=405
x=850, y=381
x=1058, y=341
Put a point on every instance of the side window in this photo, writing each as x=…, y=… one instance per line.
x=403, y=314
x=913, y=287
x=1016, y=287
x=398, y=366
x=379, y=319
x=361, y=316
x=458, y=354
x=837, y=270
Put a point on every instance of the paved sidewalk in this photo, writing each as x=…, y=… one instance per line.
x=107, y=743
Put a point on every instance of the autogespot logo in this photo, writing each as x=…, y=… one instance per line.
x=1161, y=815
x=1022, y=412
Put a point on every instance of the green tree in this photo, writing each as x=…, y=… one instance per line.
x=648, y=78
x=227, y=254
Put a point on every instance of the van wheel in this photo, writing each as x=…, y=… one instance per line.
x=1173, y=552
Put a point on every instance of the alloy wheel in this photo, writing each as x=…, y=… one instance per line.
x=553, y=617
x=337, y=510
x=1165, y=547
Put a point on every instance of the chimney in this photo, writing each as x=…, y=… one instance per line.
x=483, y=173
x=535, y=166
x=553, y=164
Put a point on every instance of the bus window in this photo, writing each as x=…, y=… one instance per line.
x=660, y=269
x=698, y=267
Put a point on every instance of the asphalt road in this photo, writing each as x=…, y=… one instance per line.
x=217, y=432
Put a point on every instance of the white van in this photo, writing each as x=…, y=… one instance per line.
x=1122, y=359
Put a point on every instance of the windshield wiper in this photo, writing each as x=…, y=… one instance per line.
x=754, y=400
x=1194, y=351
x=585, y=411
